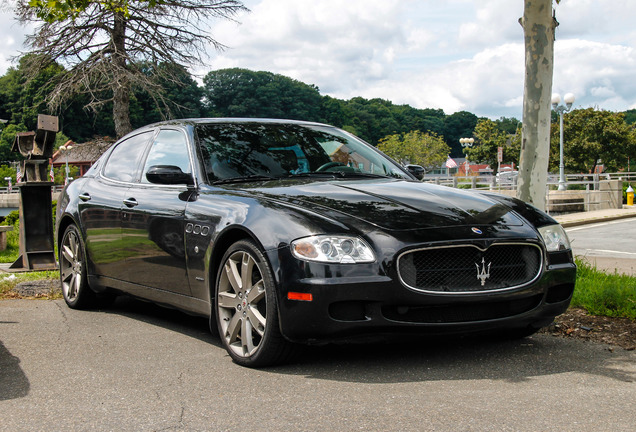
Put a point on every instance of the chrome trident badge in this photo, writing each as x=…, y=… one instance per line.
x=483, y=274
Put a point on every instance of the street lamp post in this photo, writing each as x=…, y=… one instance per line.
x=467, y=142
x=562, y=109
x=65, y=149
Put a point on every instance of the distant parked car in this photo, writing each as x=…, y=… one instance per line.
x=507, y=176
x=417, y=171
x=284, y=232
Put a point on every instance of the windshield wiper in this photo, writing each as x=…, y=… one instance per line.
x=335, y=174
x=360, y=174
x=254, y=177
x=310, y=174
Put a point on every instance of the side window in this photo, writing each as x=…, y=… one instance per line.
x=170, y=148
x=123, y=163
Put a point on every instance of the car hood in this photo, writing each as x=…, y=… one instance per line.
x=389, y=204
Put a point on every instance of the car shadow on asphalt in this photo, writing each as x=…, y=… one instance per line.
x=193, y=326
x=463, y=359
x=413, y=359
x=14, y=383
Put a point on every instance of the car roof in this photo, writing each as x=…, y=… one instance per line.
x=212, y=120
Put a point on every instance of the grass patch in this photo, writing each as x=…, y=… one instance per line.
x=11, y=253
x=604, y=294
x=8, y=281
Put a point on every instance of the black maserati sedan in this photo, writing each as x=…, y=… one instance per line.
x=286, y=232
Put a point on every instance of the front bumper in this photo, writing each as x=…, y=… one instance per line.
x=347, y=306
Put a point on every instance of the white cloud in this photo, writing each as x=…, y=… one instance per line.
x=599, y=74
x=454, y=54
x=488, y=83
x=11, y=36
x=494, y=22
x=339, y=46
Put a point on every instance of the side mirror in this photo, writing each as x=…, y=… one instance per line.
x=416, y=170
x=168, y=175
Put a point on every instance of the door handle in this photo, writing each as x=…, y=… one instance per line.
x=85, y=196
x=130, y=202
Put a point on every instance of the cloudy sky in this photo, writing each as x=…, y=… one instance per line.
x=453, y=54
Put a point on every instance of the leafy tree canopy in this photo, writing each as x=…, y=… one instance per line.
x=630, y=116
x=426, y=149
x=488, y=137
x=6, y=142
x=591, y=137
x=458, y=125
x=105, y=44
x=245, y=93
x=507, y=124
x=53, y=10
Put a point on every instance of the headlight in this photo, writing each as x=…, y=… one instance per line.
x=555, y=238
x=332, y=249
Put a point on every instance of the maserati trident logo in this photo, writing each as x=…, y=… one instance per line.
x=483, y=273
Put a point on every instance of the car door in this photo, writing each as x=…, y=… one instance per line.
x=100, y=204
x=153, y=219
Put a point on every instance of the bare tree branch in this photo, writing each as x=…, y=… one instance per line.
x=100, y=47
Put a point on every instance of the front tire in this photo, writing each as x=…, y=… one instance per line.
x=246, y=309
x=72, y=256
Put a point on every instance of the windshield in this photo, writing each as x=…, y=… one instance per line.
x=243, y=150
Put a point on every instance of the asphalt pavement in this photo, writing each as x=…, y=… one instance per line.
x=607, y=250
x=139, y=367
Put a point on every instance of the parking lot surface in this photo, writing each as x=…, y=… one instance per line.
x=138, y=367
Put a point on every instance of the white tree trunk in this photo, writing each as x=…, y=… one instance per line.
x=538, y=27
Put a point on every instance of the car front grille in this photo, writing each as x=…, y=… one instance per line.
x=469, y=268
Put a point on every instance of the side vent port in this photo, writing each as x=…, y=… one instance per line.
x=348, y=311
x=558, y=258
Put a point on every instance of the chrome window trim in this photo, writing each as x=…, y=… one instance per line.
x=537, y=276
x=154, y=132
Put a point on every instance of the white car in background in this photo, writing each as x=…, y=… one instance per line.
x=507, y=176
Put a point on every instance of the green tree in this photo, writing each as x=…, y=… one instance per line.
x=590, y=137
x=23, y=97
x=182, y=96
x=6, y=142
x=458, y=125
x=488, y=137
x=7, y=171
x=630, y=116
x=426, y=149
x=508, y=124
x=372, y=119
x=104, y=41
x=245, y=93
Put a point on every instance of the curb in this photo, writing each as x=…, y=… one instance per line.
x=574, y=223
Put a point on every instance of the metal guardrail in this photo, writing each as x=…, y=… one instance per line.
x=489, y=181
x=587, y=186
x=16, y=189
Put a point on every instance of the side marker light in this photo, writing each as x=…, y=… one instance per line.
x=300, y=296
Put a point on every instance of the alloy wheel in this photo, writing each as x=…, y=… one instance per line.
x=71, y=265
x=241, y=304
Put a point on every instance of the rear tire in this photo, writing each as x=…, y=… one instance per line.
x=246, y=308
